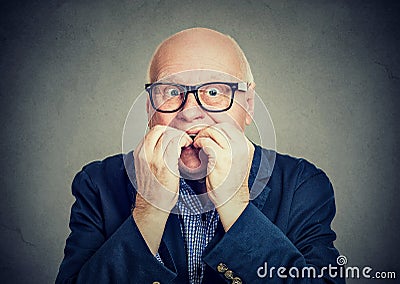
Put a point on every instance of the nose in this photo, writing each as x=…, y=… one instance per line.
x=191, y=110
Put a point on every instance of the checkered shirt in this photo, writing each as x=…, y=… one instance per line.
x=197, y=229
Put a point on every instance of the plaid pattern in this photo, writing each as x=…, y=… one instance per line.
x=197, y=229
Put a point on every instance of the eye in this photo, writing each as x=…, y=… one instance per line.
x=212, y=92
x=172, y=92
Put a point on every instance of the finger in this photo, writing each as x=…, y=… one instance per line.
x=215, y=134
x=153, y=136
x=173, y=151
x=185, y=140
x=209, y=146
x=138, y=148
x=239, y=141
x=176, y=143
x=181, y=137
x=230, y=130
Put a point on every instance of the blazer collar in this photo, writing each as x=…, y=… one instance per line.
x=260, y=173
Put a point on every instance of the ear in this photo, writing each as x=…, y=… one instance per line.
x=149, y=113
x=148, y=107
x=250, y=103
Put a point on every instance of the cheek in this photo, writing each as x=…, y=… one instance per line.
x=236, y=115
x=161, y=118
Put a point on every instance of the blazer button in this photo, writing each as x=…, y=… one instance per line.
x=156, y=282
x=236, y=280
x=228, y=274
x=222, y=267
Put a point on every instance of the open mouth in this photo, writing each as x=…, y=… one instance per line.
x=193, y=161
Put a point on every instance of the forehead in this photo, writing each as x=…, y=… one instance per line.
x=197, y=51
x=199, y=76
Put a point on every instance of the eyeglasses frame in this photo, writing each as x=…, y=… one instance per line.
x=238, y=86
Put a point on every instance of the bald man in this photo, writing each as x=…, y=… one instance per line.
x=178, y=209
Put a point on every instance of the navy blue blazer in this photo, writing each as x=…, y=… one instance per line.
x=288, y=225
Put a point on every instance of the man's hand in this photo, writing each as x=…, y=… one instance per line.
x=156, y=168
x=230, y=154
x=156, y=165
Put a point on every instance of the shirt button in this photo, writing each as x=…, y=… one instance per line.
x=222, y=267
x=236, y=280
x=228, y=274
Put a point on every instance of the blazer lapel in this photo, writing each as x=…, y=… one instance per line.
x=260, y=173
x=172, y=247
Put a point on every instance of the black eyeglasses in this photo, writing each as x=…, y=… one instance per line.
x=212, y=96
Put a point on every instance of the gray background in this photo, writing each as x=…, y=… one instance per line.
x=328, y=71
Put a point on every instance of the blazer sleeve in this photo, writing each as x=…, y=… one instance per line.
x=254, y=244
x=91, y=258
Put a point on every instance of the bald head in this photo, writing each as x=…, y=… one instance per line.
x=199, y=48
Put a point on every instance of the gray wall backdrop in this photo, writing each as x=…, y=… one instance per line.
x=329, y=72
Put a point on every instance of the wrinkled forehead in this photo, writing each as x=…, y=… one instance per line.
x=199, y=76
